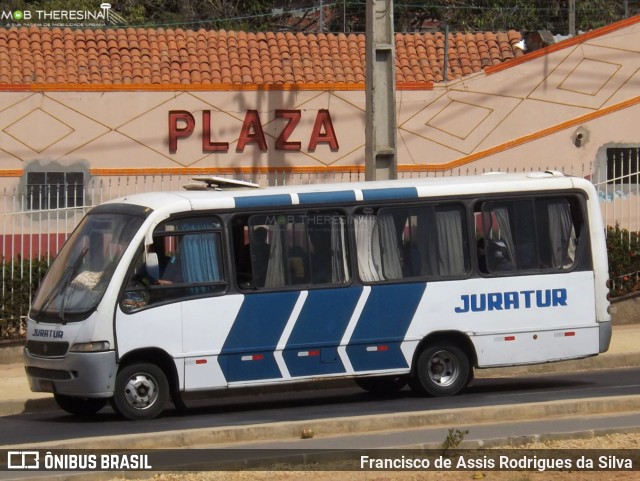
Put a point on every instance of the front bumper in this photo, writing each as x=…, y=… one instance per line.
x=91, y=374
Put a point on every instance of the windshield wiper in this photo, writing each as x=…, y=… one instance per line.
x=63, y=282
x=67, y=293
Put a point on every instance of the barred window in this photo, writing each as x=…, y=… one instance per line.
x=54, y=190
x=623, y=165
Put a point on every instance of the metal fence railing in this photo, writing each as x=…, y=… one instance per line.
x=30, y=239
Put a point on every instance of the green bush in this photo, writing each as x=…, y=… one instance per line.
x=19, y=282
x=623, y=250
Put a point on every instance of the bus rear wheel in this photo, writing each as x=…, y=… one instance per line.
x=80, y=406
x=441, y=370
x=141, y=391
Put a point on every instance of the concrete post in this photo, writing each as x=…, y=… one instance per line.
x=381, y=129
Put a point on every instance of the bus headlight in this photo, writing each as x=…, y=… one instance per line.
x=90, y=346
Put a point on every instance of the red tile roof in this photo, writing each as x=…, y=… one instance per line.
x=164, y=56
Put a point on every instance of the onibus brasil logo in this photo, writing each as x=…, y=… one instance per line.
x=40, y=16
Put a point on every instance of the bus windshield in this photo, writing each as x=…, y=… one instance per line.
x=79, y=275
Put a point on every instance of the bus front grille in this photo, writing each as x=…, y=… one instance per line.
x=47, y=348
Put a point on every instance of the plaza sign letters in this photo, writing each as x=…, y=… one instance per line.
x=183, y=124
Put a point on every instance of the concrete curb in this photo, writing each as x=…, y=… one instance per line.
x=221, y=436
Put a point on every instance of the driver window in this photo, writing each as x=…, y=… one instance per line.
x=184, y=260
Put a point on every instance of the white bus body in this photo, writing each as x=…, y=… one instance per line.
x=416, y=281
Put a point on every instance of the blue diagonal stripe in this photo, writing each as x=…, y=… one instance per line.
x=256, y=331
x=321, y=326
x=385, y=320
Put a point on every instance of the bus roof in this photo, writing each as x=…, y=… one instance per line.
x=352, y=192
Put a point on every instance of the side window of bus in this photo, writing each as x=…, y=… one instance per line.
x=411, y=242
x=291, y=249
x=531, y=234
x=184, y=260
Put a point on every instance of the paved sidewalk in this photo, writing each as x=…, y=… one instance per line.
x=16, y=397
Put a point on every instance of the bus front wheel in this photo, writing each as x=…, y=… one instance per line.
x=80, y=406
x=441, y=370
x=141, y=391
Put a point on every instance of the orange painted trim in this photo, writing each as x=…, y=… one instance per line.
x=175, y=87
x=535, y=136
x=11, y=173
x=15, y=88
x=201, y=87
x=213, y=170
x=578, y=39
x=227, y=170
x=414, y=86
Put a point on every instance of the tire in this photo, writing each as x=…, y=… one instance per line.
x=472, y=376
x=141, y=391
x=441, y=370
x=382, y=385
x=80, y=406
x=178, y=401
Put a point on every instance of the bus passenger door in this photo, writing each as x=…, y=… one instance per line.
x=206, y=324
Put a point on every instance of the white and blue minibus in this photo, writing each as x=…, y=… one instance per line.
x=391, y=283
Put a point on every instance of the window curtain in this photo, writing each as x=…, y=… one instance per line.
x=562, y=234
x=502, y=215
x=275, y=269
x=390, y=248
x=199, y=257
x=368, y=248
x=450, y=242
x=339, y=263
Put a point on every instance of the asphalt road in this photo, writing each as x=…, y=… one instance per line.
x=321, y=404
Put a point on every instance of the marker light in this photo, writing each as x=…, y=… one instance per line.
x=97, y=346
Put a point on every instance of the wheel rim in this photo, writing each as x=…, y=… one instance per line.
x=444, y=368
x=141, y=391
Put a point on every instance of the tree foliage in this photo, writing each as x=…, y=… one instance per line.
x=623, y=250
x=490, y=15
x=19, y=282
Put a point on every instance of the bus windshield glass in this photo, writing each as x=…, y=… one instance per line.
x=81, y=272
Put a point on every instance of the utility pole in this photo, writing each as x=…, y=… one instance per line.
x=380, y=81
x=572, y=18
